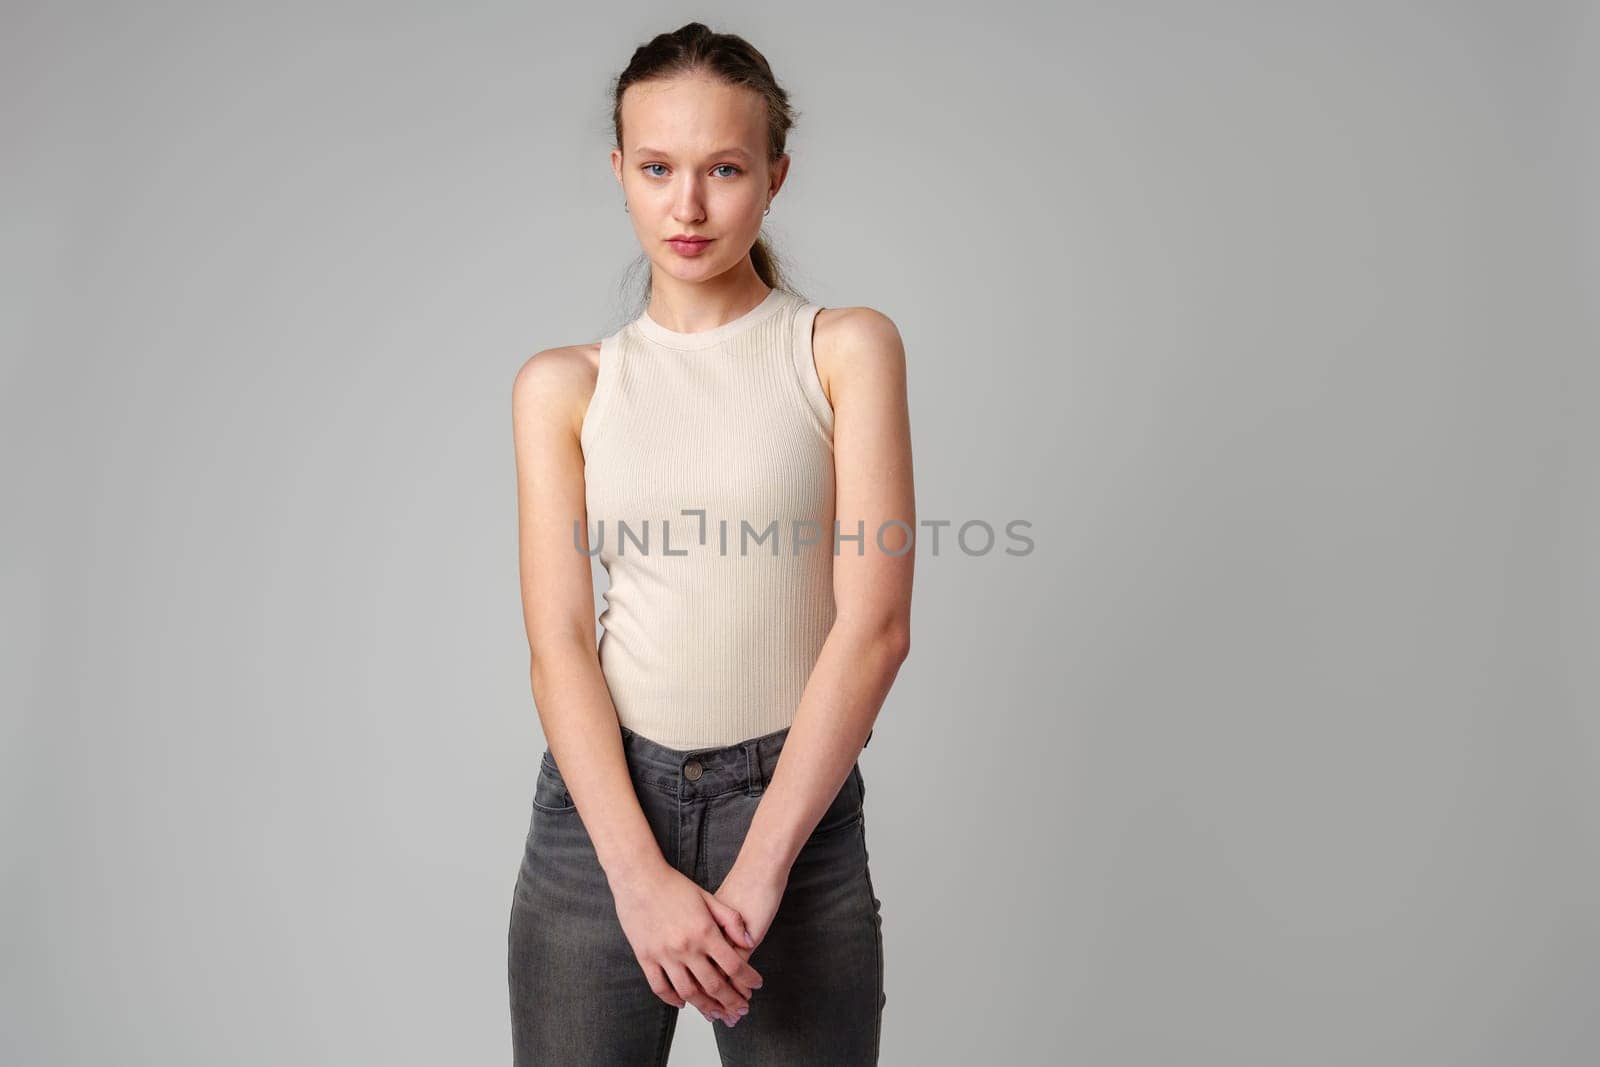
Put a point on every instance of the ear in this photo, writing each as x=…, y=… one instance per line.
x=779, y=171
x=616, y=164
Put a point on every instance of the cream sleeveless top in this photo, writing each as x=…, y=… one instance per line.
x=709, y=481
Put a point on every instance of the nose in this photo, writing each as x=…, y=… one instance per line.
x=689, y=203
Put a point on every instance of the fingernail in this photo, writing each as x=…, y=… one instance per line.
x=748, y=940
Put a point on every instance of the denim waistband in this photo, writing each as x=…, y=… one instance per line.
x=746, y=765
x=705, y=772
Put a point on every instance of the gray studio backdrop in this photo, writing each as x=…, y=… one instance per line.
x=1278, y=749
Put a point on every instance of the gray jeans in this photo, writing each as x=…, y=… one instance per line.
x=578, y=995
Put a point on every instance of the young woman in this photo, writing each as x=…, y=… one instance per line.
x=739, y=459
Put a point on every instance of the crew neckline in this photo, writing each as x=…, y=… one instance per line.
x=658, y=333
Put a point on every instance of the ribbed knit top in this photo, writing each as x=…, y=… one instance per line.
x=708, y=467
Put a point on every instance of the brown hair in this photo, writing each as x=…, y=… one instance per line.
x=694, y=49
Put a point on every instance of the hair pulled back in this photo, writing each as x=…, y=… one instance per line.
x=694, y=48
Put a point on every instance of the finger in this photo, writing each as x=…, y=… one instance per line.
x=735, y=963
x=732, y=961
x=732, y=958
x=686, y=986
x=661, y=985
x=730, y=920
x=717, y=987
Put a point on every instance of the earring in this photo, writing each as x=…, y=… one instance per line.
x=625, y=207
x=769, y=208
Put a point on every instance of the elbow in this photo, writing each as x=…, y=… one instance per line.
x=887, y=638
x=897, y=641
x=554, y=656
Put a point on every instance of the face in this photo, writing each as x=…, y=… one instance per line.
x=693, y=162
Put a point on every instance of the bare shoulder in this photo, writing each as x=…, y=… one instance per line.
x=852, y=342
x=555, y=384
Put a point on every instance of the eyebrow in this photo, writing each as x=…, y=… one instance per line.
x=645, y=150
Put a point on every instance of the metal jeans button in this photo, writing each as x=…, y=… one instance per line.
x=691, y=770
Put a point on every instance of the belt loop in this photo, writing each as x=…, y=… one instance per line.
x=752, y=769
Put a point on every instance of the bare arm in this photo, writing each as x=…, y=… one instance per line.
x=871, y=633
x=569, y=691
x=682, y=936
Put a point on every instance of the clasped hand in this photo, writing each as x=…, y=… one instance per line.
x=693, y=946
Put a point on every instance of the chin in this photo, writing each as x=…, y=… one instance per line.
x=693, y=270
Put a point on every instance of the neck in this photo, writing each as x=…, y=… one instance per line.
x=690, y=307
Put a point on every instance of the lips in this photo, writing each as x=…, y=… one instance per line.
x=688, y=246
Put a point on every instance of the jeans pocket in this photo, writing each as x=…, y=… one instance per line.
x=846, y=807
x=550, y=792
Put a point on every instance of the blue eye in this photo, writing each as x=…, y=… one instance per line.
x=720, y=166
